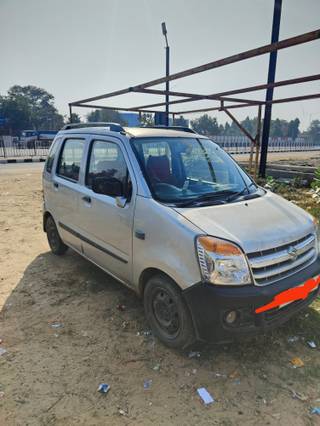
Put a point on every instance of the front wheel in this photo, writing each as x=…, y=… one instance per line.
x=56, y=244
x=167, y=313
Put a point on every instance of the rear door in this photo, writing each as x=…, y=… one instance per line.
x=66, y=190
x=106, y=227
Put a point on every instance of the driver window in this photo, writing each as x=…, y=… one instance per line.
x=107, y=160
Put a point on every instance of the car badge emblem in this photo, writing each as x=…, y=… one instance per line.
x=293, y=253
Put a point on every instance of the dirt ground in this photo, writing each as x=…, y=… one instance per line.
x=299, y=158
x=50, y=376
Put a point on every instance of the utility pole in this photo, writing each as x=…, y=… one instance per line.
x=164, y=32
x=70, y=113
x=269, y=94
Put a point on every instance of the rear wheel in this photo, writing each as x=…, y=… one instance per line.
x=167, y=313
x=56, y=244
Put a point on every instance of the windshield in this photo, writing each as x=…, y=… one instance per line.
x=188, y=169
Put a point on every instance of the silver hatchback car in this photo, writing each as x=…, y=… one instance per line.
x=171, y=215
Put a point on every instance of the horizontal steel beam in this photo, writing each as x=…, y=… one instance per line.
x=289, y=42
x=78, y=104
x=107, y=95
x=280, y=83
x=275, y=101
x=221, y=96
x=293, y=41
x=192, y=98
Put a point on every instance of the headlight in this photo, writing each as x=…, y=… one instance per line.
x=317, y=226
x=222, y=262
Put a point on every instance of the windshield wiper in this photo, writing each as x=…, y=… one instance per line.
x=200, y=203
x=210, y=196
x=242, y=192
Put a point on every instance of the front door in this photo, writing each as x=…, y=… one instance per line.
x=105, y=226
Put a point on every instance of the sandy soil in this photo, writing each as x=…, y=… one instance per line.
x=300, y=158
x=50, y=376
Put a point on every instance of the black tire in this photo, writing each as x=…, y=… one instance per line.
x=167, y=313
x=57, y=246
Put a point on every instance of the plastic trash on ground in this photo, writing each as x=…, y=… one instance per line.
x=103, y=388
x=315, y=410
x=144, y=333
x=293, y=339
x=147, y=384
x=56, y=325
x=205, y=396
x=2, y=351
x=312, y=344
x=121, y=307
x=297, y=362
x=194, y=354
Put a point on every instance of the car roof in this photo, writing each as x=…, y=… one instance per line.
x=141, y=132
x=145, y=132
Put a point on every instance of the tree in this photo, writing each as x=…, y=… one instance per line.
x=206, y=125
x=42, y=113
x=16, y=112
x=106, y=116
x=147, y=120
x=276, y=128
x=75, y=118
x=293, y=128
x=314, y=131
x=181, y=121
x=30, y=107
x=248, y=124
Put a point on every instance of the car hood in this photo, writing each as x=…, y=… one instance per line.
x=258, y=224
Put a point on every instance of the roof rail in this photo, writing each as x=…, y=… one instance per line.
x=114, y=127
x=178, y=128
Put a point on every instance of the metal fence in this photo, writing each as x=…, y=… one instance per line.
x=231, y=144
x=242, y=145
x=16, y=149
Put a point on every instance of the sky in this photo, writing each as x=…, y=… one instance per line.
x=81, y=48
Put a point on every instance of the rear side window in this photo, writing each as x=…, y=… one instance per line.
x=106, y=160
x=70, y=159
x=51, y=156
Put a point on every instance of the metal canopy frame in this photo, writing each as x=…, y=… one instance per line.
x=221, y=97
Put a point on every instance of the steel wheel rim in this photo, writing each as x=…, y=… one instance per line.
x=166, y=314
x=52, y=235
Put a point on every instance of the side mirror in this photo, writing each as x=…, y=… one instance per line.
x=107, y=186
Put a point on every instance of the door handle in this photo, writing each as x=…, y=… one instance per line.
x=140, y=234
x=87, y=199
x=55, y=184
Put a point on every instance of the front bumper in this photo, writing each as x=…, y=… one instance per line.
x=209, y=305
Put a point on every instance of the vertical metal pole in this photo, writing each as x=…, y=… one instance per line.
x=167, y=82
x=251, y=158
x=269, y=94
x=70, y=113
x=258, y=137
x=4, y=147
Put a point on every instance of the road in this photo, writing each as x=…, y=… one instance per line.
x=14, y=168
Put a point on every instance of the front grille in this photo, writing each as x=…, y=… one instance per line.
x=274, y=264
